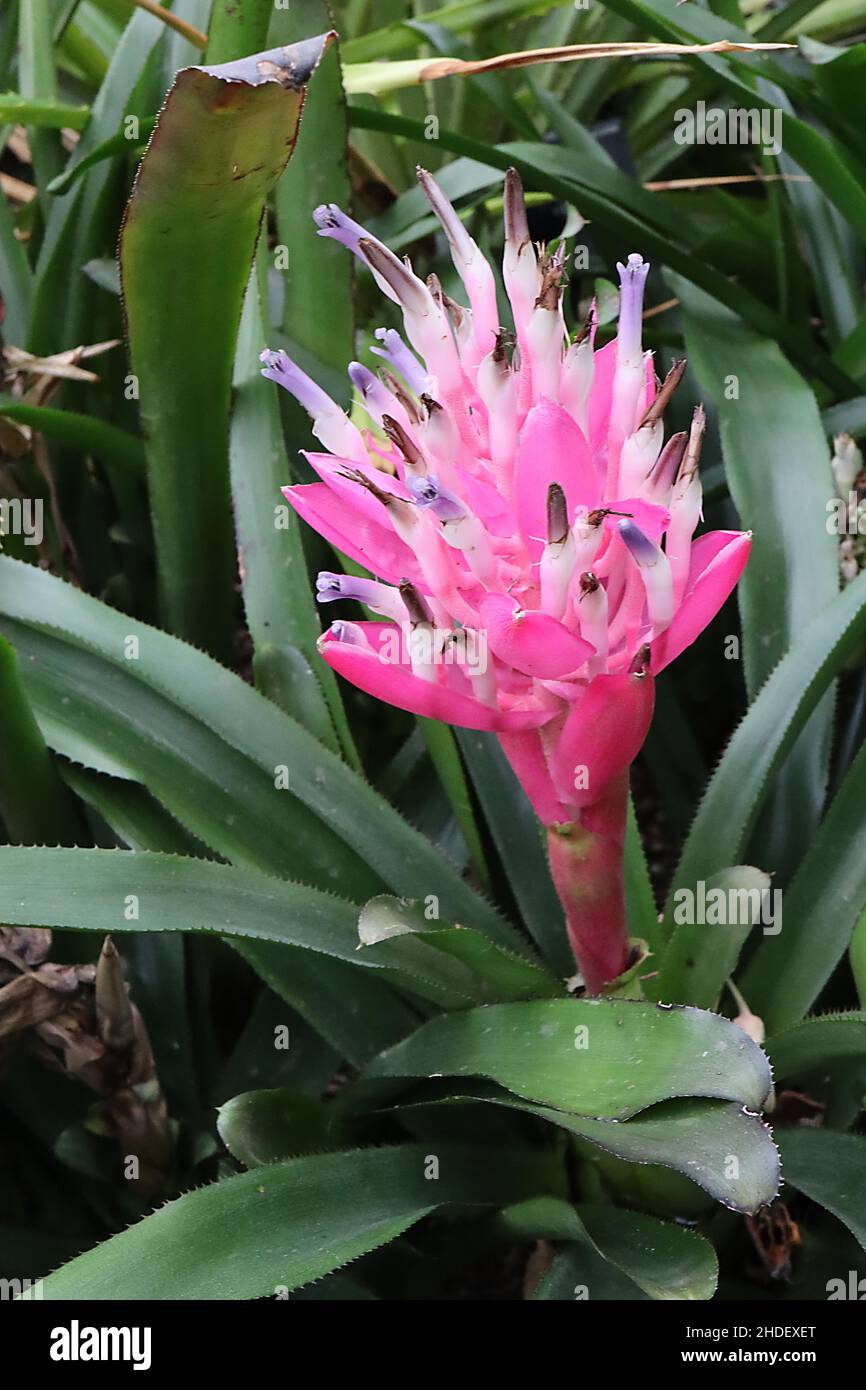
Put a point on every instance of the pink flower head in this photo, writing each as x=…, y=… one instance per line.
x=529, y=530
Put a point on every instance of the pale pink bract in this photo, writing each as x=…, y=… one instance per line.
x=529, y=532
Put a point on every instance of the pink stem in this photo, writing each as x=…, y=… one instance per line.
x=586, y=865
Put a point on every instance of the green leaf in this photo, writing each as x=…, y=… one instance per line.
x=694, y=1138
x=135, y=817
x=306, y=1064
x=663, y=1260
x=641, y=910
x=237, y=29
x=666, y=1261
x=88, y=889
x=515, y=830
x=355, y=1011
x=265, y=1126
x=602, y=1058
x=37, y=79
x=700, y=956
x=277, y=594
x=107, y=149
x=847, y=416
x=85, y=432
x=397, y=37
x=15, y=276
x=34, y=804
x=444, y=755
x=317, y=174
x=42, y=113
x=741, y=781
x=580, y=1271
x=697, y=1139
x=316, y=986
x=828, y=1167
x=452, y=966
x=821, y=909
x=222, y=139
x=778, y=595
x=157, y=962
x=857, y=958
x=111, y=720
x=79, y=228
x=290, y=1223
x=816, y=1044
x=215, y=770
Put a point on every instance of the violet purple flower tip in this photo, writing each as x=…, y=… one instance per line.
x=328, y=586
x=632, y=279
x=279, y=367
x=332, y=222
x=361, y=377
x=331, y=586
x=644, y=552
x=350, y=634
x=428, y=492
x=401, y=359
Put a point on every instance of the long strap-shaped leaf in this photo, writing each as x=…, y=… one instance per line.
x=284, y=1225
x=821, y=907
x=222, y=139
x=666, y=1261
x=216, y=702
x=278, y=597
x=356, y=1011
x=829, y=1167
x=740, y=783
x=605, y=1058
x=695, y=1138
x=75, y=226
x=778, y=595
x=102, y=890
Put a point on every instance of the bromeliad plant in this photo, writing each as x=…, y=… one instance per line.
x=393, y=970
x=513, y=509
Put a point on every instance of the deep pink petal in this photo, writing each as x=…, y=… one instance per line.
x=602, y=395
x=531, y=642
x=526, y=756
x=382, y=670
x=551, y=449
x=330, y=469
x=487, y=503
x=376, y=547
x=602, y=736
x=652, y=519
x=717, y=561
